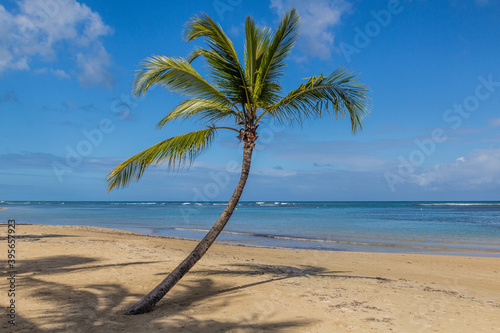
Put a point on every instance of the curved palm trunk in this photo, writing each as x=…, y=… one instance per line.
x=147, y=303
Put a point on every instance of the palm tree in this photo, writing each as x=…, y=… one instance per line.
x=239, y=94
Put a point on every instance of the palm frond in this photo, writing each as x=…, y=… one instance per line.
x=251, y=45
x=220, y=56
x=225, y=76
x=175, y=151
x=204, y=26
x=256, y=48
x=204, y=109
x=275, y=53
x=336, y=94
x=178, y=75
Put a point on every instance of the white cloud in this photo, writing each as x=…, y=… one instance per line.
x=495, y=122
x=318, y=18
x=40, y=29
x=477, y=170
x=93, y=67
x=40, y=71
x=59, y=73
x=274, y=172
x=352, y=156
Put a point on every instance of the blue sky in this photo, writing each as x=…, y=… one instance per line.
x=67, y=116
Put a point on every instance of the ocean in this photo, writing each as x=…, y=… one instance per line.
x=457, y=228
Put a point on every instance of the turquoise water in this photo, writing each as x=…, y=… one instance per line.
x=463, y=228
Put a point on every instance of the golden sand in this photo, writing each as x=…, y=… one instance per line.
x=81, y=279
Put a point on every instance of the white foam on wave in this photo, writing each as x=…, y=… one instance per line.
x=460, y=204
x=133, y=203
x=191, y=229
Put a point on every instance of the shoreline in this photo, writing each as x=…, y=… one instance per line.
x=430, y=250
x=78, y=278
x=426, y=250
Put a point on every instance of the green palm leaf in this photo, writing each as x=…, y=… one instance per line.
x=274, y=55
x=178, y=75
x=226, y=77
x=205, y=109
x=221, y=57
x=175, y=152
x=336, y=94
x=256, y=49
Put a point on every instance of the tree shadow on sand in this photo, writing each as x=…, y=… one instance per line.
x=34, y=237
x=65, y=308
x=205, y=288
x=284, y=272
x=98, y=305
x=273, y=273
x=66, y=264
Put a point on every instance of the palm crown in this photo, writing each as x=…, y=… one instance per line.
x=241, y=94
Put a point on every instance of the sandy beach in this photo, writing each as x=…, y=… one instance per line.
x=81, y=279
